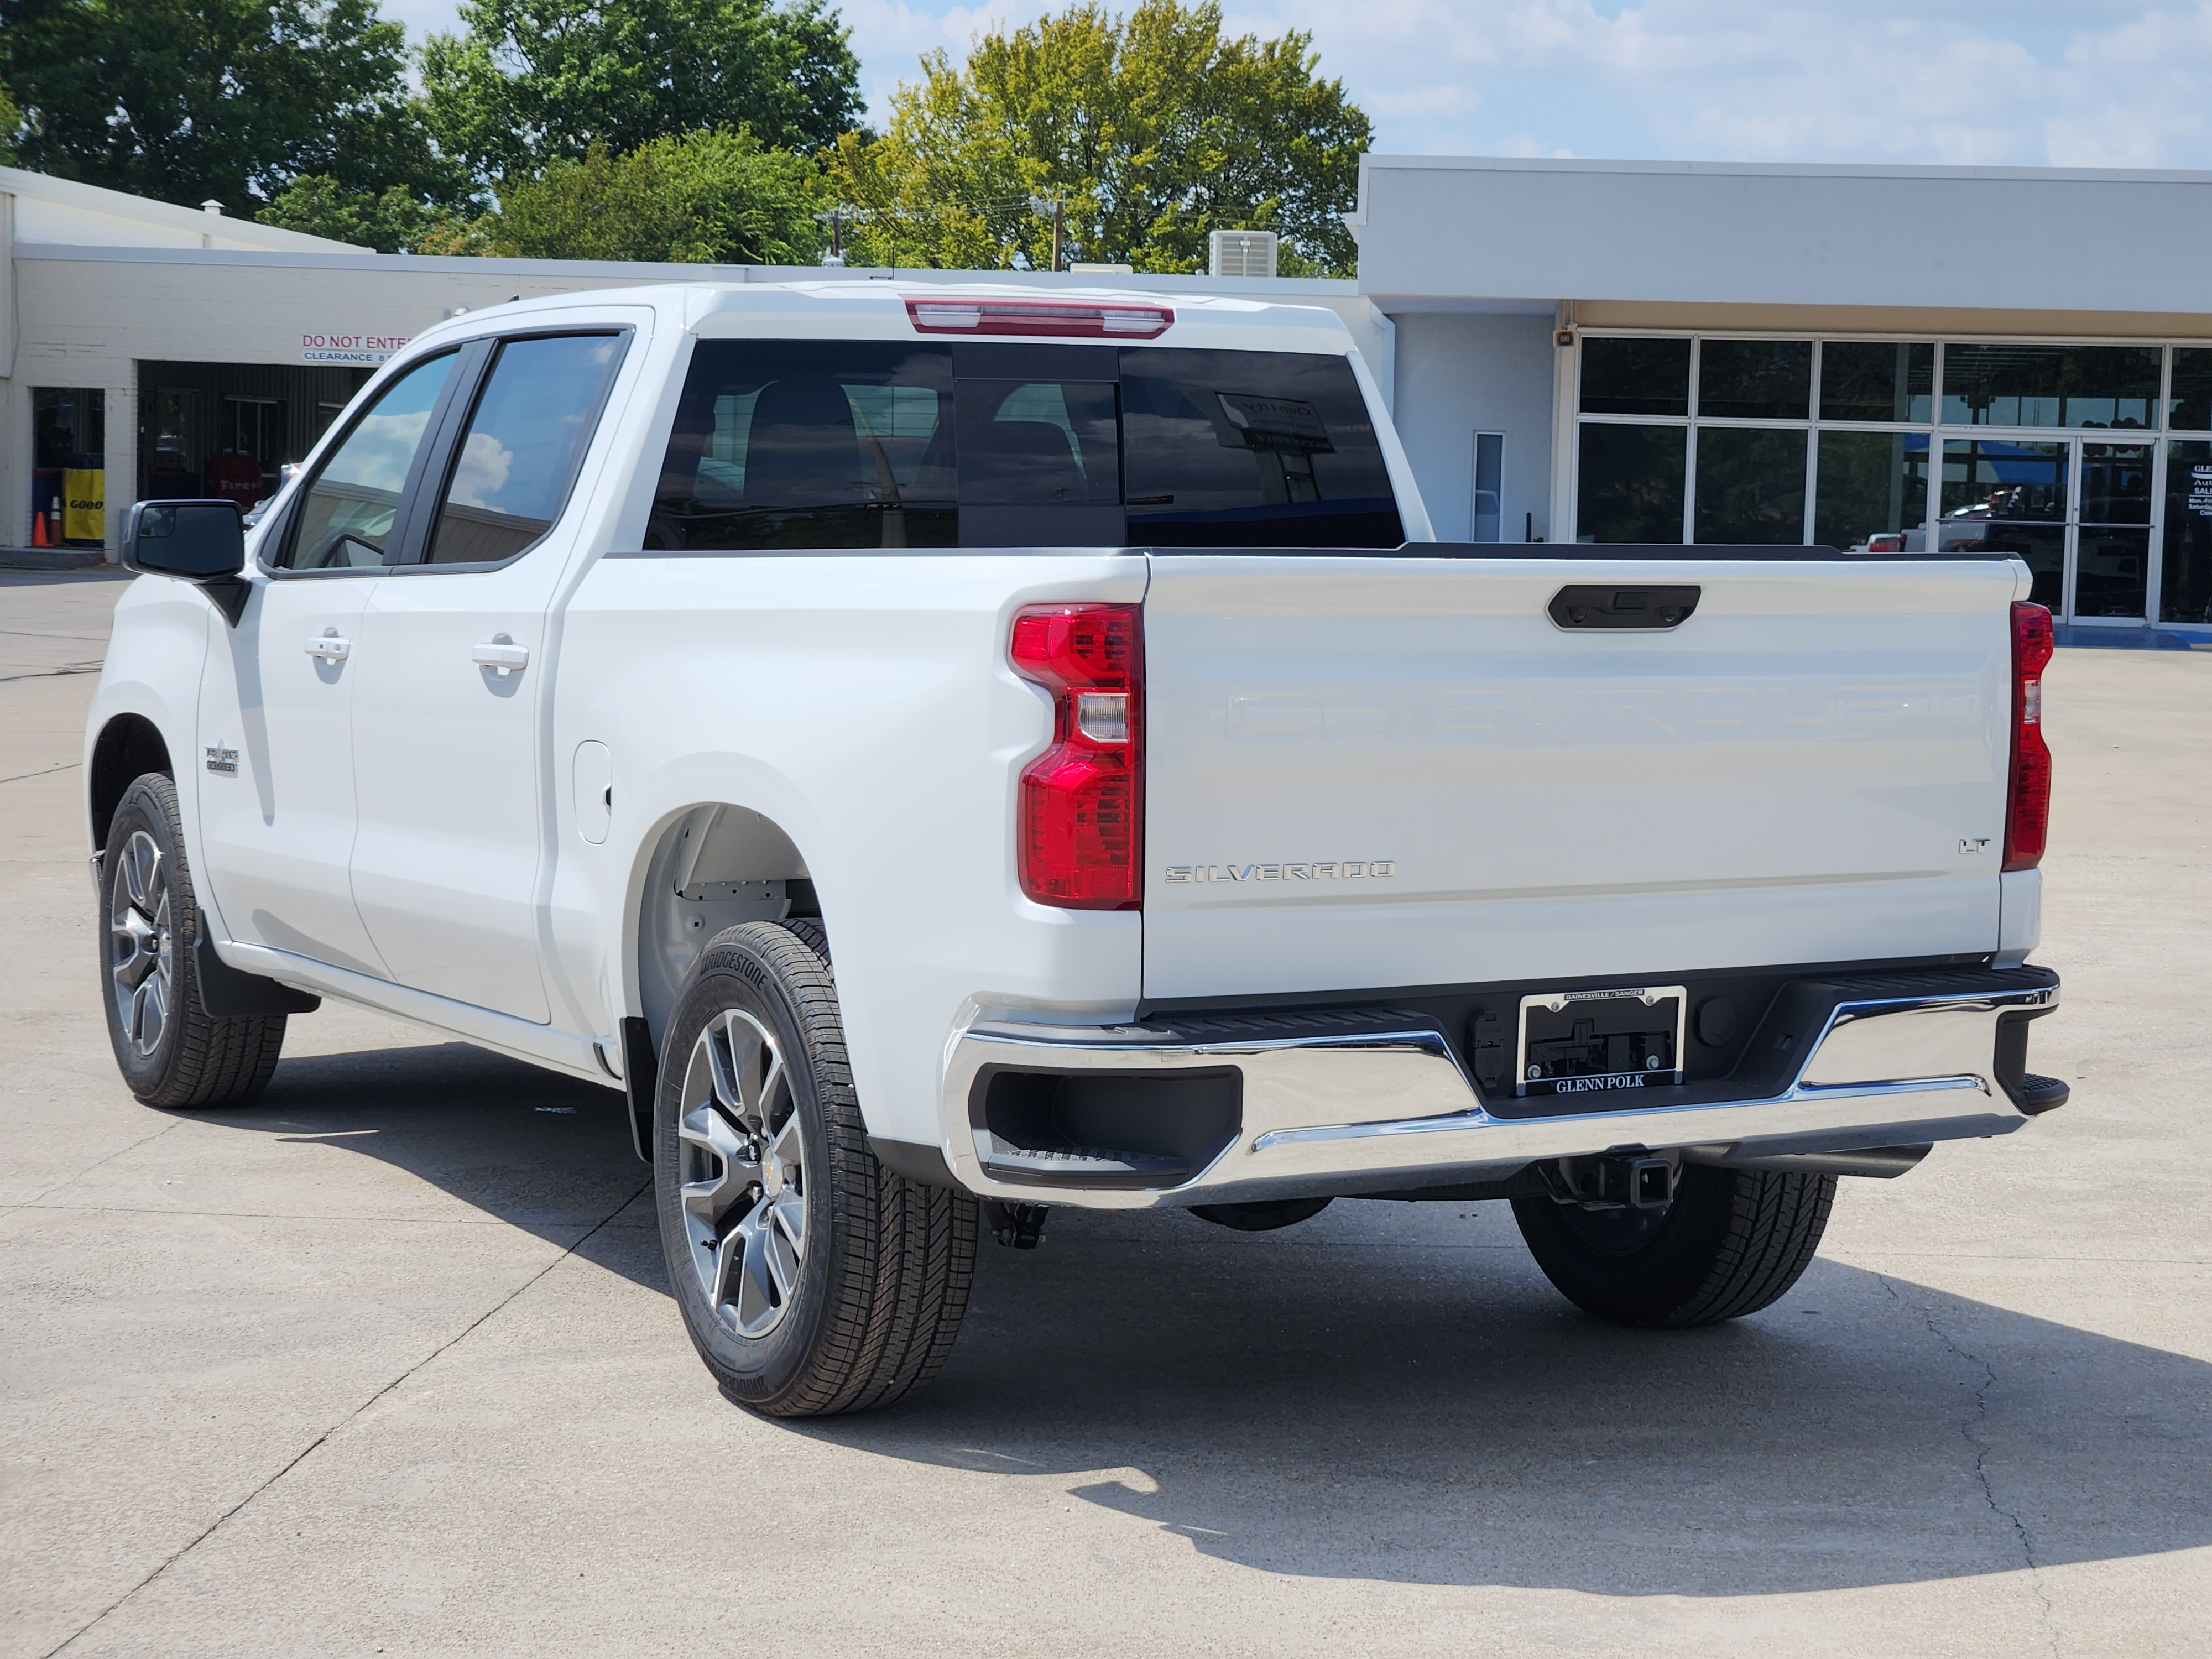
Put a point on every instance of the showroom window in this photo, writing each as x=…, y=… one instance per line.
x=2091, y=461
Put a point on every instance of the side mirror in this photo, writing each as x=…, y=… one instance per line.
x=201, y=542
x=198, y=541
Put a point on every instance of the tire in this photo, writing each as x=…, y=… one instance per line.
x=1264, y=1216
x=808, y=931
x=1733, y=1242
x=811, y=1280
x=171, y=1051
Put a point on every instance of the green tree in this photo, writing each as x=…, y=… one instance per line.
x=533, y=82
x=188, y=99
x=393, y=219
x=11, y=123
x=715, y=198
x=1154, y=126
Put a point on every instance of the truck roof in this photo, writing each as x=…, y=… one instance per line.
x=876, y=309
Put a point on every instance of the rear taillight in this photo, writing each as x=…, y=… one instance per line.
x=1081, y=319
x=1079, y=842
x=2027, y=796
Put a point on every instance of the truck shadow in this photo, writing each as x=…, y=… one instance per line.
x=1392, y=1391
x=546, y=1153
x=1398, y=1394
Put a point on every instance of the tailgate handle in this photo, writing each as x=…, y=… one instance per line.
x=1653, y=609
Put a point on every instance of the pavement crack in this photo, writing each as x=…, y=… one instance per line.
x=309, y=1450
x=1975, y=1428
x=38, y=1199
x=326, y=1220
x=67, y=766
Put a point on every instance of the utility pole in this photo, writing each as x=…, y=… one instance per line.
x=835, y=220
x=1058, y=208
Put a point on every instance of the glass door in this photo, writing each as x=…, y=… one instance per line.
x=2003, y=495
x=2078, y=510
x=2108, y=575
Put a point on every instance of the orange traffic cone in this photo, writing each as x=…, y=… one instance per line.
x=38, y=531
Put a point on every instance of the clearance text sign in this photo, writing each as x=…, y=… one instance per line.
x=369, y=350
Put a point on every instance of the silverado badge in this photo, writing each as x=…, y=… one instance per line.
x=1340, y=870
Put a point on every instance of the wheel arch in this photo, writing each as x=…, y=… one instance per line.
x=704, y=867
x=129, y=746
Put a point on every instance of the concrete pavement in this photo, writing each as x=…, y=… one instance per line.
x=386, y=1362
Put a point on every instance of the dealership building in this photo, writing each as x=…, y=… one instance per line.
x=1877, y=358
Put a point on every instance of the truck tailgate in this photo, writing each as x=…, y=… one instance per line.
x=1392, y=772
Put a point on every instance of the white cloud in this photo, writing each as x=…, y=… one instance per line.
x=2020, y=82
x=1980, y=81
x=484, y=465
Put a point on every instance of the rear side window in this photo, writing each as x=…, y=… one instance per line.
x=795, y=444
x=1251, y=449
x=525, y=441
x=347, y=510
x=810, y=444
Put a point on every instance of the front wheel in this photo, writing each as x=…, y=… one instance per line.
x=1731, y=1243
x=169, y=1048
x=812, y=1279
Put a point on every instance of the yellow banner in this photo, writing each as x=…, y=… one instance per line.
x=84, y=504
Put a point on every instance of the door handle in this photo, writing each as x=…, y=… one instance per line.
x=1648, y=609
x=503, y=656
x=330, y=648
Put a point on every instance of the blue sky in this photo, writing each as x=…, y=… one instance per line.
x=2034, y=82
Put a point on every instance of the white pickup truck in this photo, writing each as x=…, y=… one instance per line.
x=946, y=753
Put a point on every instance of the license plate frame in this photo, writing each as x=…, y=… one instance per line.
x=1650, y=1033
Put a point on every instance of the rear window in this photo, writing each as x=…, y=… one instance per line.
x=796, y=445
x=1252, y=449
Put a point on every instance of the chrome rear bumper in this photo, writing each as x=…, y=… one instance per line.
x=1387, y=1106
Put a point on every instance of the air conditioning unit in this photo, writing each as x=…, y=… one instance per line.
x=1242, y=252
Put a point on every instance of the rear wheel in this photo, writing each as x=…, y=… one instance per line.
x=170, y=1049
x=811, y=1280
x=1263, y=1216
x=1731, y=1243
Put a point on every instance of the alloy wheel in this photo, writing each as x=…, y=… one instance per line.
x=743, y=1179
x=144, y=944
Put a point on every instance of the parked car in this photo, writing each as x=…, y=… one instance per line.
x=945, y=753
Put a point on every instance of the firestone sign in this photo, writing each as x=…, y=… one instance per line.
x=365, y=349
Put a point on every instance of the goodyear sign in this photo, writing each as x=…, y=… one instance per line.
x=84, y=504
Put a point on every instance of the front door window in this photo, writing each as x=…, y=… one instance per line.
x=349, y=509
